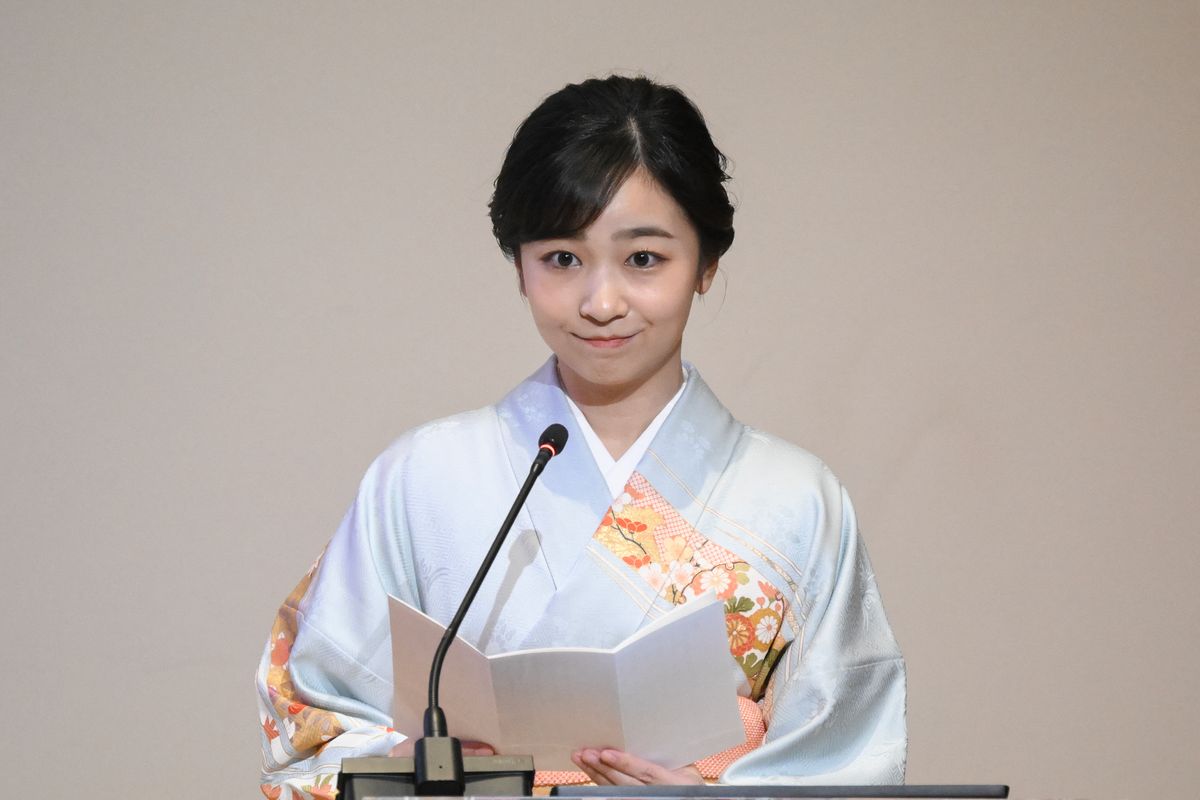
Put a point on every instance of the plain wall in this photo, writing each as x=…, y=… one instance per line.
x=243, y=246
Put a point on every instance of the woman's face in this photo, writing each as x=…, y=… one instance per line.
x=613, y=301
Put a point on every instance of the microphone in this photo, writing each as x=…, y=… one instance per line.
x=438, y=760
x=553, y=440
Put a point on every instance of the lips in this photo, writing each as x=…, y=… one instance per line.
x=606, y=342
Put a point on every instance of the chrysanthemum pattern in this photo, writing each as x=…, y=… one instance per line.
x=678, y=563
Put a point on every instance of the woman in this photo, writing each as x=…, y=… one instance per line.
x=611, y=204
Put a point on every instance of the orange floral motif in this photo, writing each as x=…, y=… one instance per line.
x=678, y=563
x=740, y=632
x=281, y=648
x=270, y=729
x=307, y=729
x=323, y=789
x=270, y=792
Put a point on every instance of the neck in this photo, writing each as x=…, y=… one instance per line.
x=619, y=415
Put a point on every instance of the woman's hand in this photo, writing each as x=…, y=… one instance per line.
x=616, y=768
x=405, y=748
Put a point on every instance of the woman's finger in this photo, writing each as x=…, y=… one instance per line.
x=617, y=768
x=600, y=773
x=585, y=765
x=635, y=770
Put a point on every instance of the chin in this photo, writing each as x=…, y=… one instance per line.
x=619, y=385
x=599, y=377
x=604, y=375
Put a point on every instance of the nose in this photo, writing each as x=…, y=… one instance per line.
x=604, y=295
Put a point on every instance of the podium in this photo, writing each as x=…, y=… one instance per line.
x=746, y=791
x=390, y=778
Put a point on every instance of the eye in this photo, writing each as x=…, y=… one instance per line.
x=643, y=259
x=561, y=259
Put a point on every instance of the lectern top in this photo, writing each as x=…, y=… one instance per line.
x=746, y=792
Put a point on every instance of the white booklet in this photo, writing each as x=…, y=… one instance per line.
x=668, y=693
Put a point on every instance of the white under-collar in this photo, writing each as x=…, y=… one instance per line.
x=616, y=471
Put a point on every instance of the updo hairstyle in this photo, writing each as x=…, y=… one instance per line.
x=571, y=155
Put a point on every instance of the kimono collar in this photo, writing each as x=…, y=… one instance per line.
x=616, y=471
x=684, y=461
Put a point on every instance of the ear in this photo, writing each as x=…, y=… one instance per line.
x=706, y=277
x=520, y=273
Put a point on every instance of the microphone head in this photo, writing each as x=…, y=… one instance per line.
x=553, y=439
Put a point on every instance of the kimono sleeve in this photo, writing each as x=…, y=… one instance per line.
x=325, y=679
x=835, y=706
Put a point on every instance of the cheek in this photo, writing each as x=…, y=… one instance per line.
x=545, y=308
x=673, y=310
x=552, y=296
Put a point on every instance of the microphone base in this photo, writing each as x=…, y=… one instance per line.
x=439, y=766
x=395, y=776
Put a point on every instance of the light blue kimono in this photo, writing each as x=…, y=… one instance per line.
x=713, y=506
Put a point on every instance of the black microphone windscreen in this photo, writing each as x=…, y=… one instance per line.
x=555, y=436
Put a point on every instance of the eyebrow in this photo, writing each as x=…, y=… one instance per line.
x=647, y=230
x=626, y=233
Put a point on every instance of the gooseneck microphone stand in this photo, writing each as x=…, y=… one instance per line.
x=437, y=756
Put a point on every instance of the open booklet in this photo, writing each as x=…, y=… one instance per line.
x=667, y=693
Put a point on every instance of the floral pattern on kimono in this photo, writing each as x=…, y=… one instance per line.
x=290, y=727
x=307, y=728
x=678, y=563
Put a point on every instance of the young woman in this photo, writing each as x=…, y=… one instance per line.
x=611, y=204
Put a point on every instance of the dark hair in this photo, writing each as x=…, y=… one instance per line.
x=571, y=155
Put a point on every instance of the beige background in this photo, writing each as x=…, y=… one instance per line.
x=243, y=246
